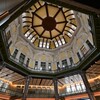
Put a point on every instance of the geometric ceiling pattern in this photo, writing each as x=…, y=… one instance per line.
x=48, y=25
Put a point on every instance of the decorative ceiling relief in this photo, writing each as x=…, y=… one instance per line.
x=48, y=25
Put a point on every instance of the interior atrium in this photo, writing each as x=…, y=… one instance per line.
x=49, y=50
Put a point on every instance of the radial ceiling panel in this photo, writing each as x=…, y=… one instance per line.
x=49, y=22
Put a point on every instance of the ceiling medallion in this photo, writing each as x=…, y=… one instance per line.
x=46, y=23
x=49, y=23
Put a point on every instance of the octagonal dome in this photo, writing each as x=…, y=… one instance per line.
x=48, y=25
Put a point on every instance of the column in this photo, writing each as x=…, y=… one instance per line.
x=86, y=46
x=80, y=53
x=87, y=85
x=47, y=62
x=68, y=61
x=54, y=65
x=72, y=55
x=47, y=67
x=60, y=62
x=25, y=61
x=17, y=56
x=25, y=91
x=56, y=89
x=39, y=65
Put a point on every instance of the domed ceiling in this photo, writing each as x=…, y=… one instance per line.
x=48, y=25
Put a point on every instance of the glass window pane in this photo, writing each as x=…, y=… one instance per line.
x=59, y=42
x=49, y=64
x=44, y=44
x=73, y=88
x=36, y=65
x=27, y=34
x=33, y=39
x=71, y=60
x=64, y=63
x=69, y=34
x=40, y=45
x=21, y=58
x=78, y=87
x=48, y=45
x=83, y=50
x=68, y=89
x=89, y=44
x=15, y=53
x=63, y=41
x=56, y=44
x=43, y=65
x=78, y=55
x=27, y=63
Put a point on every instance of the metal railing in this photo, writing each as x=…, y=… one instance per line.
x=96, y=87
x=50, y=94
x=72, y=92
x=40, y=94
x=68, y=67
x=10, y=92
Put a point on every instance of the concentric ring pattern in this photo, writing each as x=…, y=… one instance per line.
x=48, y=26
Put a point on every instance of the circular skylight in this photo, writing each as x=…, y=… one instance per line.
x=48, y=25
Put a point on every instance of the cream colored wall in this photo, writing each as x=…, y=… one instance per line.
x=23, y=46
x=86, y=28
x=26, y=50
x=43, y=57
x=80, y=38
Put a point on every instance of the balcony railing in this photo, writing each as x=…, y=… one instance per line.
x=50, y=94
x=40, y=94
x=10, y=92
x=72, y=92
x=68, y=67
x=96, y=87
